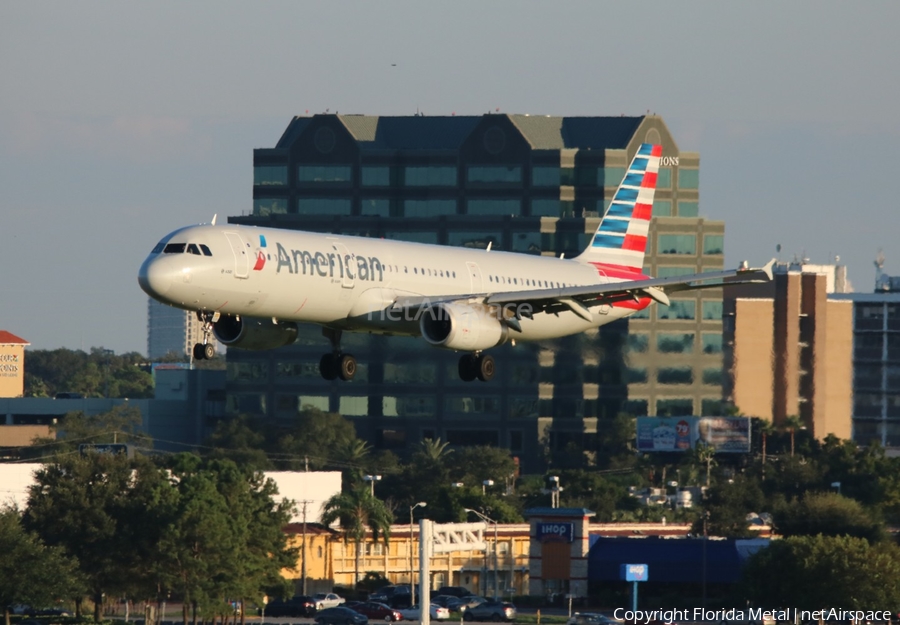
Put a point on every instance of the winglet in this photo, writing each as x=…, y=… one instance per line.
x=765, y=269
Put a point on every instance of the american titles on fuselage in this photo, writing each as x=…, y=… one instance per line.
x=330, y=264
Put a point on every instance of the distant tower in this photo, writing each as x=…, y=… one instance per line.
x=170, y=330
x=882, y=282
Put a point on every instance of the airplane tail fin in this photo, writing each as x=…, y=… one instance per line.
x=620, y=242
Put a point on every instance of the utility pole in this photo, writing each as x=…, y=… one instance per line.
x=303, y=548
x=488, y=519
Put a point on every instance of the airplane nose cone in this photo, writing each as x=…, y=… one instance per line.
x=154, y=279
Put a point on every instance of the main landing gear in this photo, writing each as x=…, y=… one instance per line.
x=476, y=365
x=336, y=364
x=206, y=350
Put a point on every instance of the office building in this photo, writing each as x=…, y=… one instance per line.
x=876, y=361
x=526, y=184
x=788, y=348
x=171, y=331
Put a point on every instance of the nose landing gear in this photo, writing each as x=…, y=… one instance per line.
x=336, y=364
x=476, y=365
x=206, y=350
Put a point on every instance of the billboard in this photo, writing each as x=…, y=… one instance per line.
x=724, y=434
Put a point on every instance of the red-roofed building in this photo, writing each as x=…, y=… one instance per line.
x=12, y=364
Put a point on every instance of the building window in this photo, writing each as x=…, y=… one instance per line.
x=527, y=242
x=714, y=377
x=380, y=207
x=270, y=175
x=375, y=176
x=545, y=177
x=664, y=178
x=611, y=176
x=494, y=174
x=712, y=310
x=523, y=407
x=674, y=407
x=636, y=375
x=643, y=313
x=429, y=208
x=688, y=178
x=714, y=244
x=546, y=208
x=409, y=406
x=688, y=209
x=637, y=342
x=712, y=407
x=410, y=373
x=662, y=208
x=636, y=407
x=494, y=207
x=679, y=309
x=314, y=174
x=246, y=403
x=669, y=272
x=431, y=176
x=323, y=206
x=247, y=371
x=351, y=406
x=670, y=343
x=415, y=237
x=675, y=375
x=290, y=370
x=472, y=404
x=476, y=240
x=676, y=244
x=712, y=343
x=263, y=207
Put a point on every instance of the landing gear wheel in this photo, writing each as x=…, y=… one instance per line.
x=485, y=367
x=328, y=367
x=209, y=351
x=199, y=351
x=467, y=367
x=346, y=366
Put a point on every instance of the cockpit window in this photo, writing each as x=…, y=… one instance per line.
x=174, y=248
x=205, y=249
x=158, y=248
x=193, y=249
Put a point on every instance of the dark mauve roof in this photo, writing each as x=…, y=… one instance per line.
x=423, y=132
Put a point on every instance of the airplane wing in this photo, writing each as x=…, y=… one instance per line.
x=579, y=299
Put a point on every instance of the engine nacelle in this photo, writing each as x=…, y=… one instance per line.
x=462, y=327
x=253, y=333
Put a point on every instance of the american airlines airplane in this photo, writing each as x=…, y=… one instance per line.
x=251, y=286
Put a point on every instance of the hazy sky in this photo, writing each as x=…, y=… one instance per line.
x=121, y=121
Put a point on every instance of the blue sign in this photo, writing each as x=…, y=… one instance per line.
x=634, y=572
x=555, y=532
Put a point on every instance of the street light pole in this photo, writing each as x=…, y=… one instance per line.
x=412, y=579
x=371, y=479
x=487, y=519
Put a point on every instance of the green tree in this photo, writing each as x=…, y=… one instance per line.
x=728, y=505
x=79, y=504
x=358, y=511
x=315, y=439
x=791, y=424
x=122, y=424
x=30, y=572
x=100, y=373
x=809, y=572
x=241, y=439
x=829, y=514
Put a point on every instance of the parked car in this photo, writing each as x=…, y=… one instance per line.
x=48, y=612
x=414, y=613
x=490, y=610
x=399, y=596
x=463, y=603
x=444, y=600
x=325, y=600
x=455, y=591
x=591, y=618
x=379, y=611
x=341, y=616
x=300, y=605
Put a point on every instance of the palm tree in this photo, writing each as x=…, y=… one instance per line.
x=765, y=429
x=435, y=450
x=358, y=510
x=705, y=454
x=792, y=424
x=353, y=457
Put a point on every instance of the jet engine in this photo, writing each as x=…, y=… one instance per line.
x=253, y=333
x=462, y=327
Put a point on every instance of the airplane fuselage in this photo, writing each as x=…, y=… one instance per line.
x=350, y=283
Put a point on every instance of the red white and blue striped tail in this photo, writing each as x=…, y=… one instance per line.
x=621, y=240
